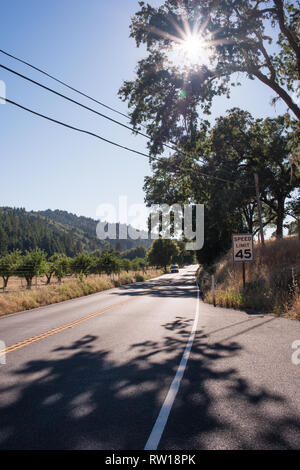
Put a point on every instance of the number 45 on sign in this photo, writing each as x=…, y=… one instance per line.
x=242, y=247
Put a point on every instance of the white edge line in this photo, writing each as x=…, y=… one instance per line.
x=165, y=410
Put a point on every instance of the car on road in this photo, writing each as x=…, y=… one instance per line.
x=174, y=268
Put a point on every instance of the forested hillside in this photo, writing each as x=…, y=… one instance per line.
x=54, y=232
x=87, y=228
x=86, y=224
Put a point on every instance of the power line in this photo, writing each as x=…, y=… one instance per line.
x=180, y=152
x=81, y=93
x=73, y=127
x=63, y=83
x=72, y=101
x=69, y=126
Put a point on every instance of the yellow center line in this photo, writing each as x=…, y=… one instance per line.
x=34, y=339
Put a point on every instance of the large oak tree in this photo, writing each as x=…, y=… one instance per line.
x=260, y=39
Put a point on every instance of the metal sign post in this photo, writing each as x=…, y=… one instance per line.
x=243, y=250
x=244, y=275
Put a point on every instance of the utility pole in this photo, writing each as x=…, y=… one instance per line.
x=259, y=209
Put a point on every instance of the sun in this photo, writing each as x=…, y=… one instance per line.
x=193, y=47
x=192, y=50
x=190, y=46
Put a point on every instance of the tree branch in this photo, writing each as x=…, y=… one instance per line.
x=277, y=88
x=294, y=43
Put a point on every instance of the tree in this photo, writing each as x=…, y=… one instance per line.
x=294, y=211
x=81, y=264
x=30, y=265
x=279, y=175
x=293, y=228
x=142, y=263
x=126, y=264
x=3, y=242
x=162, y=252
x=223, y=178
x=97, y=265
x=138, y=251
x=238, y=147
x=8, y=266
x=184, y=256
x=236, y=34
x=58, y=265
x=138, y=263
x=48, y=271
x=111, y=264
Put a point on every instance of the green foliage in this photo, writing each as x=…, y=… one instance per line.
x=3, y=241
x=55, y=232
x=84, y=228
x=81, y=264
x=110, y=263
x=294, y=228
x=60, y=265
x=222, y=178
x=162, y=252
x=126, y=264
x=141, y=263
x=137, y=252
x=242, y=33
x=8, y=266
x=184, y=257
x=26, y=231
x=31, y=264
x=138, y=263
x=35, y=263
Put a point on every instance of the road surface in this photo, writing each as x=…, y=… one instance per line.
x=94, y=373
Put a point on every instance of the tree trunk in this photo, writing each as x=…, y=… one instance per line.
x=29, y=281
x=5, y=281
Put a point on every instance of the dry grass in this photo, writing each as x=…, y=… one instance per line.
x=17, y=284
x=272, y=280
x=25, y=300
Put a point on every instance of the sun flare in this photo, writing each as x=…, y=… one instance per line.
x=191, y=51
x=193, y=47
x=189, y=45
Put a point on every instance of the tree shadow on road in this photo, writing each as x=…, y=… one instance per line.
x=81, y=398
x=182, y=286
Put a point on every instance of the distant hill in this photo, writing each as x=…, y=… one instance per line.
x=54, y=231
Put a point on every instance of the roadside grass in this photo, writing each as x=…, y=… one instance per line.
x=272, y=280
x=25, y=300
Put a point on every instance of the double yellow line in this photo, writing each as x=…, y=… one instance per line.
x=54, y=331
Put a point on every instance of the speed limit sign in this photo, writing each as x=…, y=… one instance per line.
x=242, y=247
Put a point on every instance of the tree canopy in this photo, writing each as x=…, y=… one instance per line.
x=260, y=39
x=222, y=179
x=162, y=252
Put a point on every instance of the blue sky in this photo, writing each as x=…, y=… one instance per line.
x=86, y=44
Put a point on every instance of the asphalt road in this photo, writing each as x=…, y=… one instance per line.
x=93, y=373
